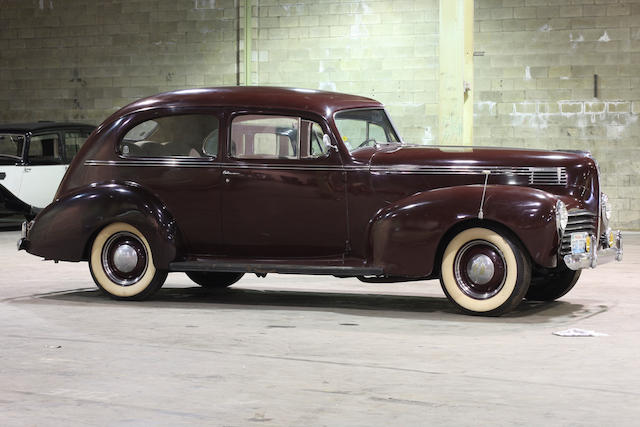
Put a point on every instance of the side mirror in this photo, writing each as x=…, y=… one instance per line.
x=327, y=142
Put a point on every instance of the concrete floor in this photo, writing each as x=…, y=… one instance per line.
x=310, y=351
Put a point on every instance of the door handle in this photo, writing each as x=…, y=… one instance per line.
x=226, y=172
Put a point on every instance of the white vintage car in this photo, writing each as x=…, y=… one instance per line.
x=33, y=159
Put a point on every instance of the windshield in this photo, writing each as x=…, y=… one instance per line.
x=11, y=145
x=365, y=128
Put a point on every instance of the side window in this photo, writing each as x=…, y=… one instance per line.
x=353, y=131
x=73, y=140
x=275, y=137
x=265, y=137
x=11, y=145
x=185, y=135
x=316, y=144
x=45, y=150
x=376, y=132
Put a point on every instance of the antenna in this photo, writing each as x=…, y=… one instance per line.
x=484, y=190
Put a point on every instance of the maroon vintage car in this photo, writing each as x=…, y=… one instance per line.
x=225, y=181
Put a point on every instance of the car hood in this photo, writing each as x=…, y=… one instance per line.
x=416, y=157
x=573, y=175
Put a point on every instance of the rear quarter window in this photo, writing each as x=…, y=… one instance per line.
x=185, y=135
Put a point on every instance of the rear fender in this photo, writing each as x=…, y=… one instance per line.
x=405, y=236
x=65, y=229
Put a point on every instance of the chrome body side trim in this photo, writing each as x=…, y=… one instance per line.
x=535, y=175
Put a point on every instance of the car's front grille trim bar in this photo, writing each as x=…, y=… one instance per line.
x=580, y=220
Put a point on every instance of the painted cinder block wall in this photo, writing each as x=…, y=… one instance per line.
x=535, y=85
x=83, y=59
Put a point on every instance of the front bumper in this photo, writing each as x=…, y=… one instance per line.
x=595, y=256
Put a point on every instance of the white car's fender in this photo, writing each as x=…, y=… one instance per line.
x=33, y=185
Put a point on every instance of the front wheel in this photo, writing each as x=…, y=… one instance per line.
x=121, y=263
x=484, y=272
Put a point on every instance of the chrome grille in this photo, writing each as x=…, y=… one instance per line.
x=548, y=176
x=580, y=220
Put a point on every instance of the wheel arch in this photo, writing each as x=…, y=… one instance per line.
x=407, y=237
x=86, y=211
x=459, y=227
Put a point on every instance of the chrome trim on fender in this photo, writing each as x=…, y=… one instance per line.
x=535, y=175
x=596, y=257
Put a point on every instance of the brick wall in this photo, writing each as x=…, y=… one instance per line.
x=83, y=59
x=535, y=84
x=382, y=49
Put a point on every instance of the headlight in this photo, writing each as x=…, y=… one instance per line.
x=562, y=215
x=605, y=206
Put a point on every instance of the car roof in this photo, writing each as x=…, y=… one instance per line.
x=43, y=125
x=320, y=102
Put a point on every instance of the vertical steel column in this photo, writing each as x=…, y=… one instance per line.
x=467, y=110
x=247, y=42
x=455, y=112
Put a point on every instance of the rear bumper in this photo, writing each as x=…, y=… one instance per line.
x=23, y=243
x=597, y=257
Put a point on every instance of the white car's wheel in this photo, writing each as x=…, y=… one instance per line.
x=484, y=272
x=121, y=263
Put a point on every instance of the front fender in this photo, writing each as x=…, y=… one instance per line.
x=64, y=229
x=404, y=237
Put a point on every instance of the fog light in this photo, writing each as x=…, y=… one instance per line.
x=587, y=244
x=612, y=239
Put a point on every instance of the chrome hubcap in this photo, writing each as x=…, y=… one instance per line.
x=480, y=269
x=125, y=258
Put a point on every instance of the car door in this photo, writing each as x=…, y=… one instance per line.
x=11, y=153
x=174, y=155
x=44, y=169
x=284, y=189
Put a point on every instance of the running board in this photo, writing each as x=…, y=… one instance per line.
x=232, y=267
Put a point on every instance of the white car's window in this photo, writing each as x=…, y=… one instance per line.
x=365, y=128
x=275, y=137
x=45, y=149
x=184, y=135
x=73, y=140
x=11, y=145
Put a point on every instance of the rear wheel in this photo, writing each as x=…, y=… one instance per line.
x=484, y=272
x=550, y=287
x=121, y=263
x=212, y=280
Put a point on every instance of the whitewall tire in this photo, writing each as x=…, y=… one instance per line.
x=121, y=263
x=484, y=272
